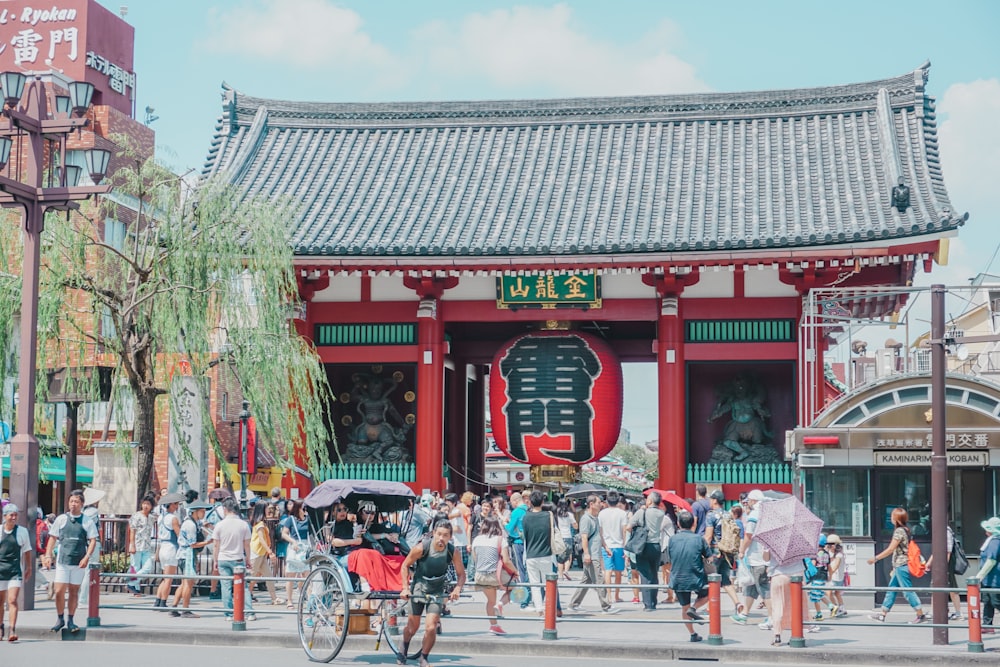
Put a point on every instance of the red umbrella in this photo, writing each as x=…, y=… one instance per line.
x=670, y=497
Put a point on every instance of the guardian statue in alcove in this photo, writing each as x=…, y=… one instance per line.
x=746, y=437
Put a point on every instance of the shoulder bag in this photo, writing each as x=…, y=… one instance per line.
x=637, y=539
x=556, y=542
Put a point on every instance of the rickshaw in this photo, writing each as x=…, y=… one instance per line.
x=329, y=591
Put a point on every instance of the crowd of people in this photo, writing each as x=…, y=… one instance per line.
x=499, y=539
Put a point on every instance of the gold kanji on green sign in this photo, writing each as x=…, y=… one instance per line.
x=550, y=290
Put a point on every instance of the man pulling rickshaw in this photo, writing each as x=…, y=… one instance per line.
x=425, y=591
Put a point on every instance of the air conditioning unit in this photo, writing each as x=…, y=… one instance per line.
x=922, y=361
x=811, y=459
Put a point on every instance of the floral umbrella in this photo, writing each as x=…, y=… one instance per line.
x=788, y=530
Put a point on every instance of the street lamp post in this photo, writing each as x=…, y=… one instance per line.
x=42, y=128
x=244, y=450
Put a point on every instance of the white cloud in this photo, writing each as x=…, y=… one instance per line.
x=312, y=34
x=970, y=159
x=541, y=48
x=970, y=138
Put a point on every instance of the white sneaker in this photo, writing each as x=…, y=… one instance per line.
x=611, y=610
x=766, y=625
x=575, y=607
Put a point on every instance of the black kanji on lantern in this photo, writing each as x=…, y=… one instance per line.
x=549, y=385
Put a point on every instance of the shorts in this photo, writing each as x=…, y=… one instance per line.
x=419, y=606
x=10, y=583
x=616, y=561
x=168, y=555
x=816, y=595
x=684, y=597
x=761, y=588
x=187, y=562
x=724, y=568
x=70, y=574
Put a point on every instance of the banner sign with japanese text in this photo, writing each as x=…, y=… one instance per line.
x=550, y=290
x=80, y=39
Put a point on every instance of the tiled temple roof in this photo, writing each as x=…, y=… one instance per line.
x=623, y=175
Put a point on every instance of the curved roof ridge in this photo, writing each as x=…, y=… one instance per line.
x=902, y=89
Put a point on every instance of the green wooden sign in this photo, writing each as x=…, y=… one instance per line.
x=549, y=290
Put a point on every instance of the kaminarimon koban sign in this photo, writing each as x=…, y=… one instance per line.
x=556, y=398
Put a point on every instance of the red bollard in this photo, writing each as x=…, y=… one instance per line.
x=715, y=609
x=975, y=616
x=551, y=598
x=798, y=638
x=94, y=596
x=239, y=598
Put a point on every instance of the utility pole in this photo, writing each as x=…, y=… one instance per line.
x=939, y=469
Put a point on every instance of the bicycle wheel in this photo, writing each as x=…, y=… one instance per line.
x=323, y=614
x=392, y=620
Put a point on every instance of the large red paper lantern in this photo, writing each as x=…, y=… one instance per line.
x=556, y=398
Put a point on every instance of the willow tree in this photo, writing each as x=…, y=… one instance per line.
x=153, y=274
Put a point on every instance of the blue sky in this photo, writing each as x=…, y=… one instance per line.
x=447, y=50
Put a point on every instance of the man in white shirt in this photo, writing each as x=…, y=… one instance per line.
x=77, y=540
x=613, y=520
x=753, y=551
x=231, y=549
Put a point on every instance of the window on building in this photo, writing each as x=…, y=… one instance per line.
x=842, y=498
x=114, y=233
x=93, y=416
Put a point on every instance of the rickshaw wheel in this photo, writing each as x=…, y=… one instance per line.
x=323, y=614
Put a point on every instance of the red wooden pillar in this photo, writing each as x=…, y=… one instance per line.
x=670, y=378
x=672, y=394
x=430, y=396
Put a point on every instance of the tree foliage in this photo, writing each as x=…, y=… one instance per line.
x=638, y=457
x=203, y=275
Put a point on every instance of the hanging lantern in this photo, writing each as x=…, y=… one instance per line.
x=556, y=398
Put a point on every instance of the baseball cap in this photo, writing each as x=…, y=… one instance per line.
x=718, y=496
x=756, y=495
x=823, y=540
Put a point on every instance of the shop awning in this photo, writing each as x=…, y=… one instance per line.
x=54, y=470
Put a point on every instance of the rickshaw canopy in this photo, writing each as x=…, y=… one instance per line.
x=386, y=496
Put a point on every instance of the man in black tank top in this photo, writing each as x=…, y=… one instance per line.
x=429, y=560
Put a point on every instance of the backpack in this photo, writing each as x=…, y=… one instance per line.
x=41, y=535
x=914, y=560
x=199, y=536
x=729, y=535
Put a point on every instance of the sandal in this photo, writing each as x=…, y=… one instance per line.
x=13, y=637
x=290, y=606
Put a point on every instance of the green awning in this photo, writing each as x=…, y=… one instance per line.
x=54, y=470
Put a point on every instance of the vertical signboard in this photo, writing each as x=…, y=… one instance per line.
x=187, y=455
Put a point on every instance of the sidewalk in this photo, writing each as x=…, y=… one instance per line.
x=631, y=634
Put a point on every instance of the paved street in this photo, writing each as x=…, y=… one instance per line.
x=629, y=637
x=104, y=654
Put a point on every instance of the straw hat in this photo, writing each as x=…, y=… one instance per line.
x=92, y=496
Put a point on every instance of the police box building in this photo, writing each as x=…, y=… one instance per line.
x=465, y=263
